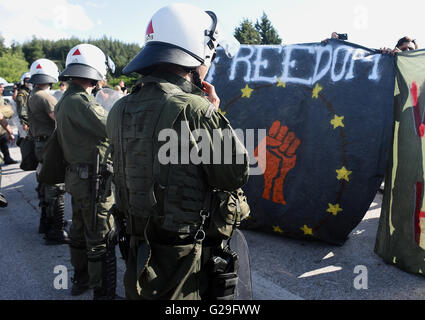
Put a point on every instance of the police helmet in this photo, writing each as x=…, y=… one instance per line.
x=86, y=61
x=43, y=71
x=184, y=35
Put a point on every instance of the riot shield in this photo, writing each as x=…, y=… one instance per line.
x=107, y=97
x=240, y=246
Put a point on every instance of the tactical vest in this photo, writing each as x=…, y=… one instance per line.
x=172, y=193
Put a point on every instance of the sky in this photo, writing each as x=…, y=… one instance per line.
x=374, y=24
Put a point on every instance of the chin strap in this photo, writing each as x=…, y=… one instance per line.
x=197, y=79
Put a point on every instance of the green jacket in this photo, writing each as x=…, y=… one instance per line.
x=186, y=183
x=165, y=199
x=21, y=104
x=81, y=126
x=40, y=104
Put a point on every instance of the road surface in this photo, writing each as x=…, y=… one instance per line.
x=282, y=269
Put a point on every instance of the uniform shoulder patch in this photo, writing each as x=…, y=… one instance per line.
x=97, y=108
x=84, y=96
x=209, y=111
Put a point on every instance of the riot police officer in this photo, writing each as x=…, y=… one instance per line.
x=41, y=118
x=163, y=203
x=81, y=132
x=22, y=99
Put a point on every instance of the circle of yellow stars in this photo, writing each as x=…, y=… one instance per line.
x=336, y=122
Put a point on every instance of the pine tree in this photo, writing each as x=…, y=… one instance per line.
x=247, y=34
x=268, y=33
x=2, y=46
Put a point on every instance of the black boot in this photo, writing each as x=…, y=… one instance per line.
x=4, y=148
x=56, y=234
x=109, y=276
x=80, y=282
x=3, y=201
x=44, y=226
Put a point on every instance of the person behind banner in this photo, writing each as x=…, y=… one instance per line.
x=406, y=44
x=335, y=35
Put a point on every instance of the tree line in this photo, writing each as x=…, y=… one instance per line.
x=16, y=59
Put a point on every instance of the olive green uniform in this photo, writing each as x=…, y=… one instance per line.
x=40, y=105
x=165, y=232
x=81, y=129
x=21, y=104
x=52, y=197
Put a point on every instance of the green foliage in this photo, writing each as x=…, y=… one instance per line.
x=12, y=65
x=57, y=50
x=129, y=82
x=268, y=33
x=2, y=46
x=247, y=34
x=262, y=33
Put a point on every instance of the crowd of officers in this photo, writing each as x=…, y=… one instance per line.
x=160, y=204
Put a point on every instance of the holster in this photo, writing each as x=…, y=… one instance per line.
x=223, y=270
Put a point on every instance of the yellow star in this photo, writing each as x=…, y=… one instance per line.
x=281, y=83
x=307, y=230
x=337, y=122
x=316, y=91
x=246, y=92
x=343, y=173
x=277, y=229
x=334, y=209
x=222, y=112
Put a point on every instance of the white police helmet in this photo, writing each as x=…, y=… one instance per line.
x=26, y=75
x=43, y=71
x=86, y=61
x=184, y=35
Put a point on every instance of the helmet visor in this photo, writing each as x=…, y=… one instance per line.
x=225, y=39
x=110, y=63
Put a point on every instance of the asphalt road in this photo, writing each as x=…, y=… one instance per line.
x=282, y=269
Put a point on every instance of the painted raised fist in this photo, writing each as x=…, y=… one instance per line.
x=279, y=158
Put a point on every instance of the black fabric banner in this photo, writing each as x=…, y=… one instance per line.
x=317, y=121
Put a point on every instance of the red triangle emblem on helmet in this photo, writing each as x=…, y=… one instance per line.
x=76, y=53
x=39, y=66
x=149, y=30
